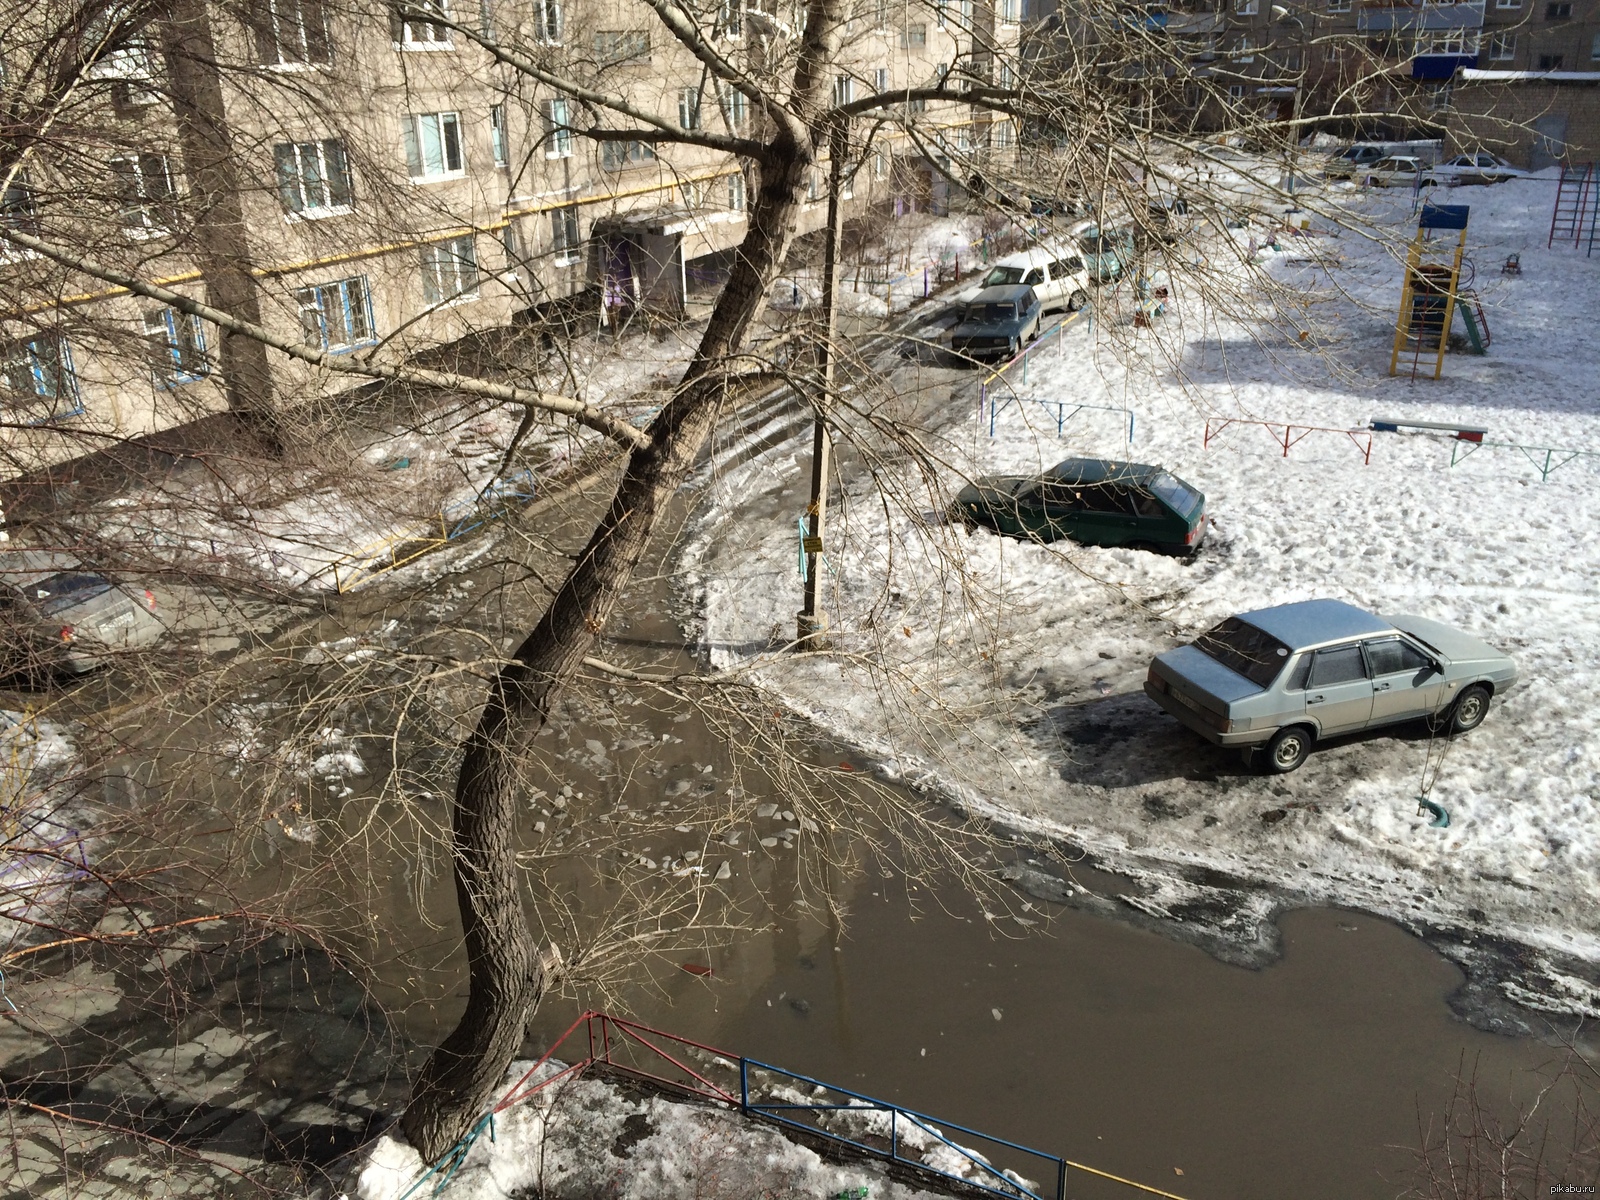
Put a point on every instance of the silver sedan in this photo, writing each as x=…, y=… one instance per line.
x=1281, y=678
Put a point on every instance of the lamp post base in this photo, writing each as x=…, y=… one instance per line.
x=811, y=632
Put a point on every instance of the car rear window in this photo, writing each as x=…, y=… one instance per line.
x=1003, y=275
x=1175, y=494
x=59, y=592
x=1245, y=650
x=991, y=312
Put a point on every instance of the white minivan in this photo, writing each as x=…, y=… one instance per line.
x=1056, y=273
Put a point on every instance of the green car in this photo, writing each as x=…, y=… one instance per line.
x=1096, y=501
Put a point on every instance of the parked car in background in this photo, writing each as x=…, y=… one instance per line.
x=1054, y=271
x=57, y=614
x=1279, y=679
x=1106, y=253
x=1096, y=501
x=1351, y=162
x=1394, y=171
x=1479, y=168
x=998, y=322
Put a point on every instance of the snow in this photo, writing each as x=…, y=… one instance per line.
x=40, y=822
x=1009, y=675
x=582, y=1137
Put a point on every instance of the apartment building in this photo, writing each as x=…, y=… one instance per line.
x=372, y=185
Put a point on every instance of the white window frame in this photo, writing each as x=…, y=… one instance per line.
x=550, y=22
x=689, y=108
x=433, y=36
x=1236, y=91
x=880, y=80
x=1246, y=8
x=322, y=163
x=46, y=376
x=844, y=90
x=737, y=111
x=450, y=271
x=498, y=142
x=350, y=299
x=511, y=246
x=177, y=343
x=1010, y=12
x=737, y=199
x=616, y=47
x=1508, y=3
x=557, y=132
x=1338, y=6
x=623, y=156
x=566, y=235
x=141, y=206
x=444, y=128
x=300, y=27
x=1594, y=48
x=914, y=36
x=730, y=19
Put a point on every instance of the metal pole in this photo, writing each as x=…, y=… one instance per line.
x=810, y=625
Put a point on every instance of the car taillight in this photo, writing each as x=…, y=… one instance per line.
x=67, y=633
x=1193, y=535
x=150, y=599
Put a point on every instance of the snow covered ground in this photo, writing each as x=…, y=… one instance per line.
x=1009, y=675
x=585, y=1137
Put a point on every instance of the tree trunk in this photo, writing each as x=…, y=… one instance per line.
x=460, y=1078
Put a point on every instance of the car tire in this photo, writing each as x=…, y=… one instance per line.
x=1077, y=300
x=1288, y=749
x=1469, y=710
x=1013, y=348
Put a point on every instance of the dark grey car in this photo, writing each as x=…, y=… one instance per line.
x=1281, y=678
x=56, y=613
x=998, y=322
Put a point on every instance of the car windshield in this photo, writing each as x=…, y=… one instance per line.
x=57, y=593
x=991, y=312
x=1175, y=494
x=1004, y=275
x=1245, y=650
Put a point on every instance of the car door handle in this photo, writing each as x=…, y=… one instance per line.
x=1313, y=699
x=1380, y=687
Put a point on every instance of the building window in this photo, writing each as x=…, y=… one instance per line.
x=1010, y=11
x=450, y=270
x=1503, y=47
x=939, y=13
x=336, y=316
x=1246, y=8
x=738, y=109
x=730, y=18
x=1439, y=96
x=880, y=14
x=486, y=19
x=736, y=200
x=497, y=133
x=622, y=45
x=1558, y=10
x=1006, y=77
x=511, y=243
x=549, y=22
x=1508, y=3
x=1002, y=135
x=1243, y=50
x=689, y=108
x=433, y=145
x=177, y=343
x=38, y=368
x=880, y=80
x=564, y=237
x=1594, y=47
x=813, y=185
x=145, y=192
x=1338, y=6
x=1236, y=91
x=614, y=156
x=914, y=37
x=313, y=177
x=1551, y=62
x=18, y=209
x=844, y=89
x=880, y=165
x=291, y=32
x=557, y=133
x=412, y=34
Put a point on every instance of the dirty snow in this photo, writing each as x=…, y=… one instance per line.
x=1014, y=683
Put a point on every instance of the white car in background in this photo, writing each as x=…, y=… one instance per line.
x=1394, y=171
x=1478, y=168
x=1056, y=273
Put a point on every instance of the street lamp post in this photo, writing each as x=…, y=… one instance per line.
x=1283, y=14
x=811, y=626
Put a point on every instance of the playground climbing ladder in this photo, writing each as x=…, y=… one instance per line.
x=1428, y=295
x=1577, y=210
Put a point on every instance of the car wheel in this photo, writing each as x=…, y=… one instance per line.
x=1288, y=749
x=1471, y=707
x=1077, y=300
x=1013, y=347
